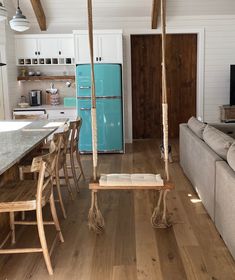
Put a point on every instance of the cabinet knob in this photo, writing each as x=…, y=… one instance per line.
x=36, y=53
x=96, y=58
x=99, y=58
x=59, y=52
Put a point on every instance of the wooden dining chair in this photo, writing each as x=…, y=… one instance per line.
x=73, y=150
x=61, y=165
x=28, y=195
x=60, y=139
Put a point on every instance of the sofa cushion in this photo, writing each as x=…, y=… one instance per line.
x=231, y=156
x=196, y=126
x=217, y=140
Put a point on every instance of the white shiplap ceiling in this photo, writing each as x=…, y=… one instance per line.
x=74, y=11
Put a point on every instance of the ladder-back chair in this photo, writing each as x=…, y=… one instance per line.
x=28, y=195
x=74, y=127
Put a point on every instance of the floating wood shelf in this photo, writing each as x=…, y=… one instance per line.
x=41, y=78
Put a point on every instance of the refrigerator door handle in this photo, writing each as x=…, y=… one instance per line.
x=85, y=109
x=108, y=97
x=85, y=87
x=83, y=97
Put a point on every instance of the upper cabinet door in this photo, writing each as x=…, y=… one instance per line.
x=82, y=51
x=66, y=47
x=26, y=48
x=48, y=47
x=110, y=48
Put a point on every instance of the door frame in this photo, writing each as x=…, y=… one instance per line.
x=200, y=32
x=3, y=72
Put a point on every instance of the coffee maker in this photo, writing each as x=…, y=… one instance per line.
x=35, y=97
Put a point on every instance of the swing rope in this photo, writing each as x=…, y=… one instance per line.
x=158, y=219
x=95, y=218
x=164, y=91
x=93, y=97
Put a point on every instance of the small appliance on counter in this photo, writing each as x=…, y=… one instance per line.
x=54, y=97
x=35, y=97
x=23, y=102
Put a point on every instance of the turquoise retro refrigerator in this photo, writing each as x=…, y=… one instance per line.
x=108, y=81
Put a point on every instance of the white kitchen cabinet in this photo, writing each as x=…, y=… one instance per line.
x=107, y=47
x=48, y=47
x=82, y=53
x=110, y=48
x=69, y=113
x=56, y=47
x=66, y=47
x=44, y=49
x=26, y=48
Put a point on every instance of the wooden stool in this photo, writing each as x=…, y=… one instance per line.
x=60, y=139
x=74, y=128
x=28, y=195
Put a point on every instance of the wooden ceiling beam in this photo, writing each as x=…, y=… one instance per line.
x=39, y=13
x=155, y=13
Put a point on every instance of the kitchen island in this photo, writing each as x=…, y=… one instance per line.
x=18, y=138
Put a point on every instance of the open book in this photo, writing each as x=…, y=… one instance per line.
x=137, y=179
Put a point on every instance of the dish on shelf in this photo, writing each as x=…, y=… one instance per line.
x=31, y=73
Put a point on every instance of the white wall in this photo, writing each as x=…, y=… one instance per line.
x=9, y=71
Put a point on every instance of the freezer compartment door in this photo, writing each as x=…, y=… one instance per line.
x=108, y=80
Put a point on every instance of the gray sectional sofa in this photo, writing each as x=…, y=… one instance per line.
x=207, y=156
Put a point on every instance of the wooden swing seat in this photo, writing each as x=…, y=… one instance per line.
x=130, y=182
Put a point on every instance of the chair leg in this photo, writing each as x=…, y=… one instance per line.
x=74, y=171
x=55, y=217
x=57, y=179
x=66, y=176
x=12, y=226
x=43, y=241
x=79, y=163
x=21, y=173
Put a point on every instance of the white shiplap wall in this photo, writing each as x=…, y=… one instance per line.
x=11, y=89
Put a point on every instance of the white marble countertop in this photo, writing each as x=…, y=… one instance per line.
x=17, y=138
x=46, y=107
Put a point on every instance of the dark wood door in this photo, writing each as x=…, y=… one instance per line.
x=147, y=79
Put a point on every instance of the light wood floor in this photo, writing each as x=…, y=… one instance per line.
x=130, y=249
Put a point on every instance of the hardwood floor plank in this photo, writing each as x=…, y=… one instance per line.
x=194, y=263
x=182, y=228
x=125, y=246
x=124, y=272
x=170, y=258
x=147, y=253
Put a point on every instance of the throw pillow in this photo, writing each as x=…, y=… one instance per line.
x=231, y=156
x=196, y=126
x=217, y=140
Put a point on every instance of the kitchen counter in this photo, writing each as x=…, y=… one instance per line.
x=18, y=138
x=46, y=107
